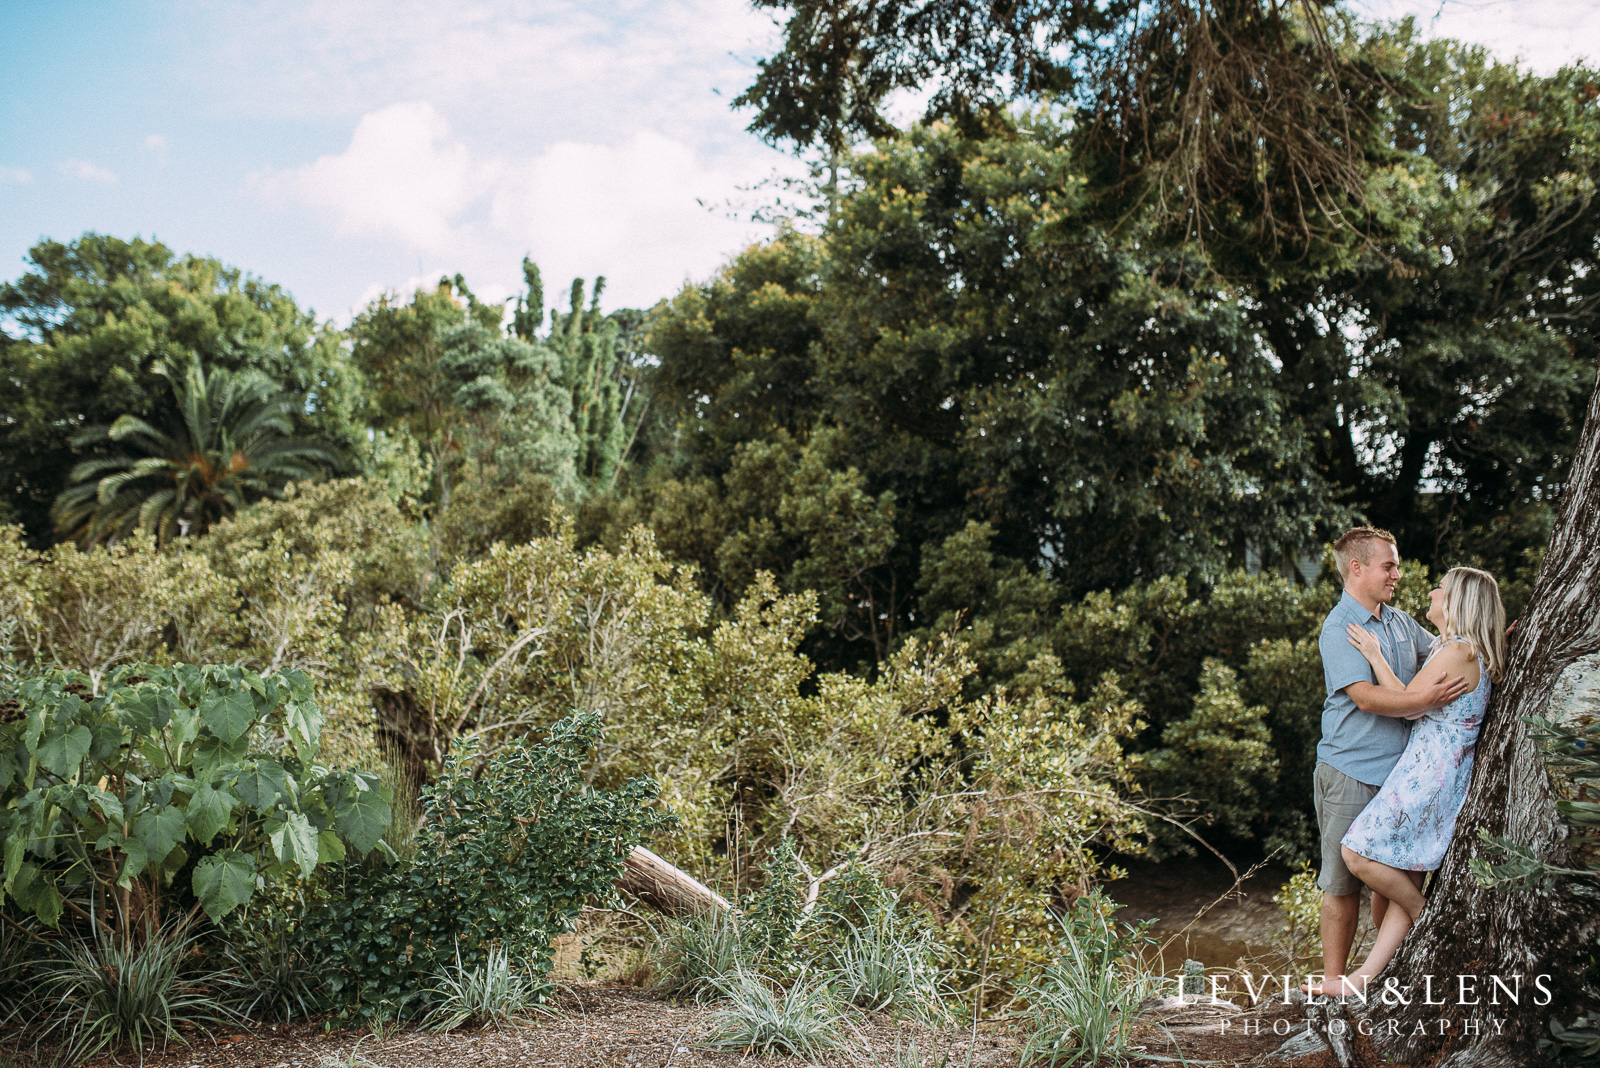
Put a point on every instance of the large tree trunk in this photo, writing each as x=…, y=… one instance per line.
x=1467, y=930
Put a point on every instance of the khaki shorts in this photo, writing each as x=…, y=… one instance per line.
x=1339, y=800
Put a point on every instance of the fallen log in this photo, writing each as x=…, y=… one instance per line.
x=665, y=887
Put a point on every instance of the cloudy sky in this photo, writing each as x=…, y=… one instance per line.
x=344, y=147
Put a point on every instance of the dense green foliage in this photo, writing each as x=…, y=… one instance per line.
x=504, y=859
x=957, y=544
x=160, y=778
x=91, y=321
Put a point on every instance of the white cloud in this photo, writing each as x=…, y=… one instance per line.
x=636, y=212
x=514, y=69
x=156, y=143
x=85, y=171
x=631, y=211
x=1544, y=35
x=400, y=178
x=15, y=175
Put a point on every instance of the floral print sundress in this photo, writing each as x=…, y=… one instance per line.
x=1409, y=821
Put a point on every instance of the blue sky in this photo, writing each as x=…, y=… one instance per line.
x=345, y=147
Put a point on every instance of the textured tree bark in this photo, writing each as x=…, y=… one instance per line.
x=1554, y=671
x=662, y=886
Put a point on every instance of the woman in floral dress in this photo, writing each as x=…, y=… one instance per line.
x=1406, y=827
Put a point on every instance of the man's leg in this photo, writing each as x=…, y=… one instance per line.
x=1339, y=800
x=1340, y=914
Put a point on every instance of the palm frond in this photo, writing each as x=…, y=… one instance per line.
x=229, y=441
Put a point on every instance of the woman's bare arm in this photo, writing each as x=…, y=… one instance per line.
x=1368, y=646
x=1451, y=672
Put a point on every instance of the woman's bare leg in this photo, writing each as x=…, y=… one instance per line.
x=1401, y=887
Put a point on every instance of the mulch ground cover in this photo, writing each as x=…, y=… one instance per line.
x=598, y=1026
x=608, y=1025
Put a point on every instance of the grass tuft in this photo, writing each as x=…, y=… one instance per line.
x=494, y=993
x=762, y=1018
x=699, y=954
x=125, y=990
x=884, y=966
x=1081, y=1009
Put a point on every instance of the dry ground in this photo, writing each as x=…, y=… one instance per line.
x=600, y=1026
x=606, y=1025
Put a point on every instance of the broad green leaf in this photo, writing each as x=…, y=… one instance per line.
x=64, y=753
x=159, y=791
x=210, y=755
x=137, y=711
x=364, y=819
x=223, y=882
x=107, y=740
x=161, y=830
x=108, y=804
x=208, y=811
x=261, y=783
x=152, y=753
x=329, y=849
x=228, y=715
x=174, y=861
x=32, y=725
x=303, y=721
x=15, y=844
x=35, y=891
x=134, y=866
x=184, y=726
x=146, y=710
x=294, y=841
x=300, y=688
x=8, y=769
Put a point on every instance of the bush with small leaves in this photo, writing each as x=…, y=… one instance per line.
x=771, y=918
x=505, y=858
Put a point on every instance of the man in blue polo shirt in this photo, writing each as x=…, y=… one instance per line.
x=1364, y=727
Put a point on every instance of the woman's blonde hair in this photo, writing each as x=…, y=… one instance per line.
x=1472, y=611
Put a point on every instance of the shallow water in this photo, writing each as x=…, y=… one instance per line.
x=1201, y=915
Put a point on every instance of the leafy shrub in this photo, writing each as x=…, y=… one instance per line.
x=1301, y=902
x=495, y=993
x=1081, y=1008
x=762, y=1017
x=128, y=989
x=163, y=778
x=771, y=919
x=504, y=859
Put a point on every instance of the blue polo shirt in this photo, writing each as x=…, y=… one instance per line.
x=1364, y=745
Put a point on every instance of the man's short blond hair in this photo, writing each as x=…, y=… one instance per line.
x=1357, y=545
